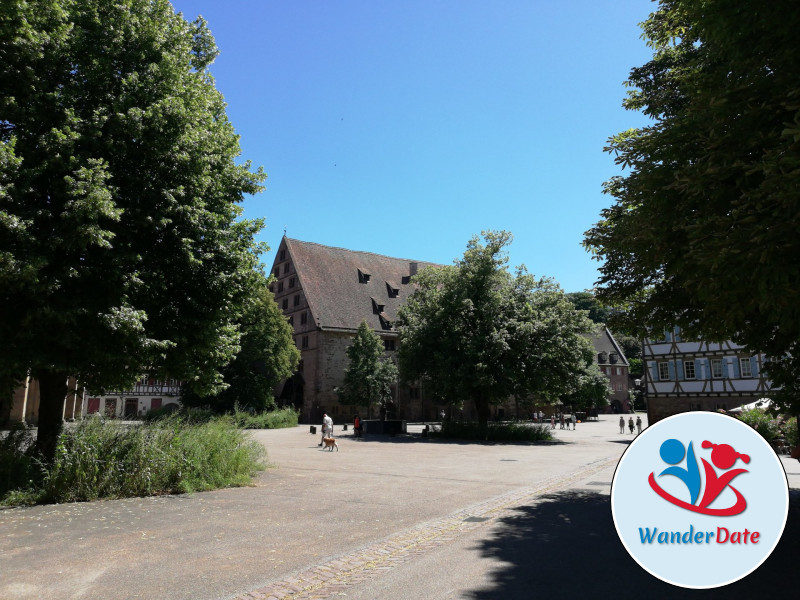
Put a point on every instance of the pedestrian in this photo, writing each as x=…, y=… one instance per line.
x=574, y=420
x=553, y=422
x=561, y=420
x=357, y=425
x=327, y=427
x=621, y=424
x=630, y=424
x=638, y=424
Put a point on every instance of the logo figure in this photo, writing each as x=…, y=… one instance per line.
x=722, y=455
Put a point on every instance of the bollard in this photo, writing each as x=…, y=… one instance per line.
x=312, y=430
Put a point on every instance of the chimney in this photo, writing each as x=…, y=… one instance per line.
x=412, y=268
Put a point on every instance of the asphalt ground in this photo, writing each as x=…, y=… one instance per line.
x=385, y=517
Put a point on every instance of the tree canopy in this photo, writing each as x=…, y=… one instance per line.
x=369, y=376
x=267, y=355
x=703, y=230
x=476, y=333
x=591, y=390
x=121, y=247
x=587, y=301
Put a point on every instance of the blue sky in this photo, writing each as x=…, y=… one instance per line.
x=403, y=128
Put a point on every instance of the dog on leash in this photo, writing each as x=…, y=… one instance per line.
x=330, y=443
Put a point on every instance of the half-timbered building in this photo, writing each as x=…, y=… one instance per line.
x=683, y=375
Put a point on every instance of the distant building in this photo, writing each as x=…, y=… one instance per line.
x=146, y=395
x=683, y=375
x=612, y=362
x=325, y=293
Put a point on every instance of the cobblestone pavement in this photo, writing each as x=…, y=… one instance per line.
x=380, y=515
x=334, y=577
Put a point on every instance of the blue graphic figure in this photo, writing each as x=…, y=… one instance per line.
x=672, y=452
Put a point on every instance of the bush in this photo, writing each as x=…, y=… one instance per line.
x=19, y=469
x=111, y=460
x=763, y=423
x=494, y=432
x=790, y=429
x=275, y=419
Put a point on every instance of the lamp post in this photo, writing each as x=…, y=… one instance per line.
x=640, y=393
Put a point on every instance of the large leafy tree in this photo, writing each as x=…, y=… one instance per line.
x=703, y=231
x=476, y=333
x=587, y=301
x=369, y=376
x=267, y=355
x=591, y=390
x=121, y=250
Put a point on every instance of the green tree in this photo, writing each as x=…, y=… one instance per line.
x=591, y=390
x=475, y=332
x=587, y=301
x=267, y=356
x=369, y=376
x=121, y=250
x=703, y=230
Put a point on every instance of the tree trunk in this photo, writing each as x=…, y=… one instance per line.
x=482, y=408
x=52, y=391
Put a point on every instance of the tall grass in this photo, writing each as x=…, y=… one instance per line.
x=494, y=432
x=110, y=460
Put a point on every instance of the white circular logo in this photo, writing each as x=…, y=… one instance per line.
x=699, y=500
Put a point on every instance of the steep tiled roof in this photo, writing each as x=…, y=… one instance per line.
x=603, y=341
x=340, y=285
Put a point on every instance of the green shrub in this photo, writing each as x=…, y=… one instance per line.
x=494, y=432
x=20, y=471
x=763, y=423
x=112, y=460
x=790, y=429
x=276, y=419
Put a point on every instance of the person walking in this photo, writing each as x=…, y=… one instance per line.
x=357, y=425
x=621, y=424
x=630, y=424
x=638, y=424
x=327, y=427
x=574, y=420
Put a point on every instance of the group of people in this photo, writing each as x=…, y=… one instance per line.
x=563, y=420
x=630, y=424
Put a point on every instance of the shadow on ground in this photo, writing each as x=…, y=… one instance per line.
x=567, y=547
x=409, y=438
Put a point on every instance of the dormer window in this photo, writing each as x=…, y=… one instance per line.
x=385, y=322
x=376, y=308
x=392, y=290
x=363, y=277
x=406, y=279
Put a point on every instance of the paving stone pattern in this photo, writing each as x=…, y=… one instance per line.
x=331, y=579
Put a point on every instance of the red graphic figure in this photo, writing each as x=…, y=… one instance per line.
x=724, y=457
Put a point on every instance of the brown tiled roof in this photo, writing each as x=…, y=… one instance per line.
x=603, y=341
x=330, y=279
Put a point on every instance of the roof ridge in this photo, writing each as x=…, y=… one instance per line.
x=288, y=239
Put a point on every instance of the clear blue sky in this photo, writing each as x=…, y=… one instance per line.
x=403, y=128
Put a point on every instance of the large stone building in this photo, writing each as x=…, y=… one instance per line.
x=326, y=293
x=683, y=375
x=612, y=362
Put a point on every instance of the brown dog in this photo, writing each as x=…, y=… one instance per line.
x=330, y=443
